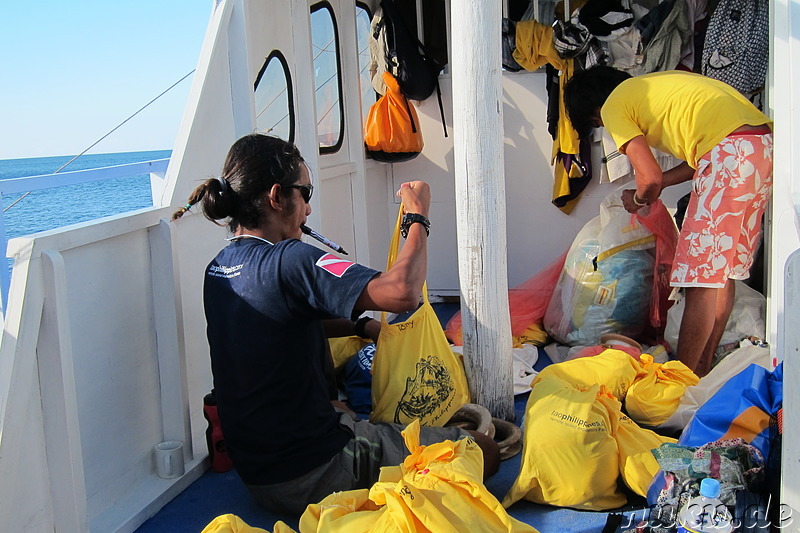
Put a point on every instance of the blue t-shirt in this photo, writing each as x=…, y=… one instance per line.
x=264, y=307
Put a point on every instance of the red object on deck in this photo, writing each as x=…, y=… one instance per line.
x=217, y=452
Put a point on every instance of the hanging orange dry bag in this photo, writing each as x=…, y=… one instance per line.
x=392, y=133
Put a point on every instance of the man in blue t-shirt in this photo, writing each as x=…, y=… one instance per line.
x=265, y=305
x=269, y=300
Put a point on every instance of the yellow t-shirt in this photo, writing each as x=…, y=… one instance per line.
x=678, y=112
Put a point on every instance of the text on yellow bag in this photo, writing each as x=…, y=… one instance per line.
x=569, y=456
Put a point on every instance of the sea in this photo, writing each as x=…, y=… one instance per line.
x=62, y=206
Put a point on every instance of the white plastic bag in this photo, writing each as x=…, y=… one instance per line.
x=746, y=320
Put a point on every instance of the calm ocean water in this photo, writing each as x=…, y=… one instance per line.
x=61, y=206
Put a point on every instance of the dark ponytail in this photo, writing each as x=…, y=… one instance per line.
x=254, y=164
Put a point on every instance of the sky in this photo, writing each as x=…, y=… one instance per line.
x=72, y=71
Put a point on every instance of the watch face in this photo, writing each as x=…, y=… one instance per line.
x=415, y=217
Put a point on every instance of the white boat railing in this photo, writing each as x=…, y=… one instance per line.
x=62, y=179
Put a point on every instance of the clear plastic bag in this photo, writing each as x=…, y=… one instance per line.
x=607, y=281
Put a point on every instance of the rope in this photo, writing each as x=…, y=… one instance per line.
x=62, y=167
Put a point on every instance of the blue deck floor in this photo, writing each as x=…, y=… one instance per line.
x=215, y=494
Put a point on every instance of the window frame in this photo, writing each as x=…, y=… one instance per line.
x=375, y=94
x=340, y=141
x=277, y=54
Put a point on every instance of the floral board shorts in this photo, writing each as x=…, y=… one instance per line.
x=722, y=228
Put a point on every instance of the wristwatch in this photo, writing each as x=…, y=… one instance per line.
x=412, y=218
x=359, y=325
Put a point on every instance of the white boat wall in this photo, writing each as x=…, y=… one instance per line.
x=103, y=353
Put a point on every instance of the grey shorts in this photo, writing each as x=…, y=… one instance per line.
x=355, y=467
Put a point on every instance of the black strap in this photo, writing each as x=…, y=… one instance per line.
x=410, y=115
x=438, y=89
x=441, y=107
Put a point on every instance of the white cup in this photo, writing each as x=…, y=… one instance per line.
x=169, y=459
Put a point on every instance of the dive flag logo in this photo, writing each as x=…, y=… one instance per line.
x=335, y=265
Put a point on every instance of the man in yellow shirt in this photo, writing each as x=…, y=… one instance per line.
x=726, y=145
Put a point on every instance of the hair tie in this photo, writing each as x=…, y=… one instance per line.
x=186, y=207
x=224, y=186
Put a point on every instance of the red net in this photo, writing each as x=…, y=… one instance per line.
x=527, y=302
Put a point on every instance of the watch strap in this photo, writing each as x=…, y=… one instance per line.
x=414, y=218
x=359, y=325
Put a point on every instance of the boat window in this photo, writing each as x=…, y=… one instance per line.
x=274, y=99
x=368, y=94
x=327, y=78
x=434, y=25
x=517, y=9
x=542, y=10
x=434, y=29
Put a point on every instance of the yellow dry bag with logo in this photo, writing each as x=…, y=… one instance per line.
x=415, y=374
x=569, y=455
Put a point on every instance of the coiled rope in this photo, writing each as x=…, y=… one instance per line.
x=15, y=202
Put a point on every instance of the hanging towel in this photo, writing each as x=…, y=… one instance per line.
x=617, y=165
x=534, y=49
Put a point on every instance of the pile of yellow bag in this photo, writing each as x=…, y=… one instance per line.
x=657, y=392
x=437, y=489
x=578, y=444
x=230, y=523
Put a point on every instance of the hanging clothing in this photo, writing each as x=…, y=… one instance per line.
x=574, y=41
x=572, y=175
x=696, y=10
x=535, y=48
x=553, y=97
x=663, y=51
x=626, y=51
x=606, y=19
x=652, y=22
x=656, y=41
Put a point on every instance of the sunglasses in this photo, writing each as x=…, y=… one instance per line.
x=305, y=191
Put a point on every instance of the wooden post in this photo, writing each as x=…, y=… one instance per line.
x=480, y=203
